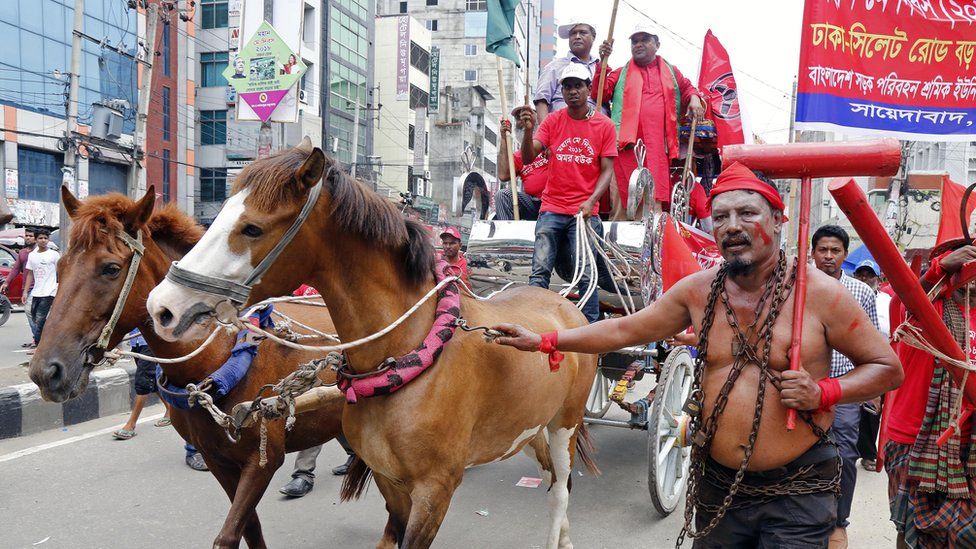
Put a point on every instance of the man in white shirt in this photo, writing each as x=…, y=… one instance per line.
x=41, y=276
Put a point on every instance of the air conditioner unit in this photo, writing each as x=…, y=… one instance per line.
x=302, y=97
x=427, y=175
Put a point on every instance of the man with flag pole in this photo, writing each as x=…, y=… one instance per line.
x=498, y=40
x=647, y=97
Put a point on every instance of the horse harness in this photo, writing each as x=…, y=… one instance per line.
x=134, y=244
x=750, y=346
x=238, y=293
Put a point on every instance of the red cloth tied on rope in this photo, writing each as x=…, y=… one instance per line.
x=407, y=367
x=548, y=346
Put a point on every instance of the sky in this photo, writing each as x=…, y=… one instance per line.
x=761, y=36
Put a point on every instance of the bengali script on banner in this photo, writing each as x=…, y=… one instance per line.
x=902, y=68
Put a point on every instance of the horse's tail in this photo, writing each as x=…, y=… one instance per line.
x=585, y=449
x=356, y=481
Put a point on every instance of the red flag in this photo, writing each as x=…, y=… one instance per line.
x=677, y=260
x=717, y=83
x=949, y=227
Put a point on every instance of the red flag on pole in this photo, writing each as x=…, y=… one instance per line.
x=677, y=260
x=717, y=83
x=949, y=227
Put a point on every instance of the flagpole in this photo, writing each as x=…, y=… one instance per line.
x=603, y=62
x=507, y=142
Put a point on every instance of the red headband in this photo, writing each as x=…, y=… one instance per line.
x=740, y=178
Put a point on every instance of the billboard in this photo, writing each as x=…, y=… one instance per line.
x=899, y=69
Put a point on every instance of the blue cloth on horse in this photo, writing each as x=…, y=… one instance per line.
x=227, y=376
x=137, y=339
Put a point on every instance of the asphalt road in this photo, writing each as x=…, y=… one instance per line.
x=12, y=356
x=79, y=488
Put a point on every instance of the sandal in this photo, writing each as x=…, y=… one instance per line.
x=124, y=434
x=163, y=422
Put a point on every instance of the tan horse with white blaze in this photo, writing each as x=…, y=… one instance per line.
x=479, y=403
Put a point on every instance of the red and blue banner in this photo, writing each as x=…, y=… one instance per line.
x=901, y=68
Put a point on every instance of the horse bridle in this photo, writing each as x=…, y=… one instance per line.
x=134, y=244
x=235, y=292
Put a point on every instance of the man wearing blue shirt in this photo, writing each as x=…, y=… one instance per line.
x=548, y=92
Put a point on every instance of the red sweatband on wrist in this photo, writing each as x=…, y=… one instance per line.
x=829, y=393
x=935, y=272
x=548, y=346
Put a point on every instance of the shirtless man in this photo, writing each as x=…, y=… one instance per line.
x=797, y=472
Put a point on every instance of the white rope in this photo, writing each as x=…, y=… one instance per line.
x=119, y=353
x=315, y=333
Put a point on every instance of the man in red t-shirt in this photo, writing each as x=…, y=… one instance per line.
x=457, y=265
x=582, y=145
x=932, y=488
x=534, y=176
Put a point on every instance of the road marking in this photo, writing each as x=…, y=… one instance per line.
x=77, y=438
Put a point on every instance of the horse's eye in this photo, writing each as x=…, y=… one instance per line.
x=252, y=231
x=111, y=269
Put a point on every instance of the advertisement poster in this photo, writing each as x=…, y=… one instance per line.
x=435, y=79
x=403, y=58
x=10, y=183
x=264, y=71
x=899, y=69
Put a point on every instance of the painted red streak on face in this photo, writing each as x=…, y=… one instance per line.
x=762, y=233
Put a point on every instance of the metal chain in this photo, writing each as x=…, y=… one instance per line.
x=745, y=352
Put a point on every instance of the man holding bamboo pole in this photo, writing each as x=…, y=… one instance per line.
x=548, y=95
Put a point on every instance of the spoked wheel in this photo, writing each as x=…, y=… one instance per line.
x=667, y=473
x=5, y=308
x=598, y=402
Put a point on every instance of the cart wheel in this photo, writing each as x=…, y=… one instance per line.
x=598, y=402
x=5, y=308
x=667, y=471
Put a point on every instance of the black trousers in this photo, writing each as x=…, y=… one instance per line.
x=867, y=437
x=40, y=307
x=785, y=522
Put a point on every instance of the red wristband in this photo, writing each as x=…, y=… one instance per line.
x=829, y=393
x=935, y=272
x=548, y=346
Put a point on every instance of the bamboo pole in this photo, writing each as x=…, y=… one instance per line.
x=603, y=62
x=508, y=142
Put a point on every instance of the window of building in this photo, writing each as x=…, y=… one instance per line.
x=164, y=49
x=39, y=175
x=166, y=113
x=470, y=75
x=476, y=5
x=419, y=58
x=213, y=14
x=212, y=65
x=213, y=127
x=107, y=177
x=411, y=134
x=427, y=143
x=349, y=39
x=491, y=136
x=431, y=24
x=470, y=49
x=490, y=166
x=166, y=172
x=213, y=184
x=403, y=7
x=418, y=98
x=431, y=2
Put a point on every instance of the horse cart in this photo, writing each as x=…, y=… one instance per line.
x=499, y=254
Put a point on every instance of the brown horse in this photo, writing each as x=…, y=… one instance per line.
x=478, y=404
x=91, y=278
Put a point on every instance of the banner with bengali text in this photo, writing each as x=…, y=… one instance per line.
x=898, y=68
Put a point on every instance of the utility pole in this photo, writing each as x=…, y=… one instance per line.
x=355, y=141
x=145, y=90
x=264, y=134
x=70, y=169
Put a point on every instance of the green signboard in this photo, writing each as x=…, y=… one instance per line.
x=264, y=70
x=435, y=77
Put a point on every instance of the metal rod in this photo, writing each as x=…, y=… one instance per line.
x=614, y=423
x=800, y=291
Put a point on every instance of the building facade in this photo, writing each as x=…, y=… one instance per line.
x=403, y=83
x=34, y=66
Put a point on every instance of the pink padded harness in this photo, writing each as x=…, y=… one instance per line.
x=407, y=367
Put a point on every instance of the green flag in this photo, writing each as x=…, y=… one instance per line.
x=501, y=27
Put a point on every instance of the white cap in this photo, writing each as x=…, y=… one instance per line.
x=575, y=70
x=643, y=27
x=564, y=30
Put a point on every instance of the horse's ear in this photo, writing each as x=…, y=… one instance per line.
x=70, y=201
x=305, y=145
x=139, y=215
x=311, y=171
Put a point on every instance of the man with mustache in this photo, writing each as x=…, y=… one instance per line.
x=830, y=245
x=548, y=91
x=741, y=310
x=648, y=95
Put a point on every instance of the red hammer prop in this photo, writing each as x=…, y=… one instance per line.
x=806, y=161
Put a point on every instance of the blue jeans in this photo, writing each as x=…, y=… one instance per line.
x=847, y=418
x=554, y=232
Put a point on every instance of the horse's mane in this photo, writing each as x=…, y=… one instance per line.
x=354, y=207
x=99, y=217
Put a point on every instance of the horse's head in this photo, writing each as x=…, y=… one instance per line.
x=268, y=197
x=91, y=276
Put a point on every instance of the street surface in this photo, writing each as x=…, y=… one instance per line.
x=12, y=355
x=93, y=491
